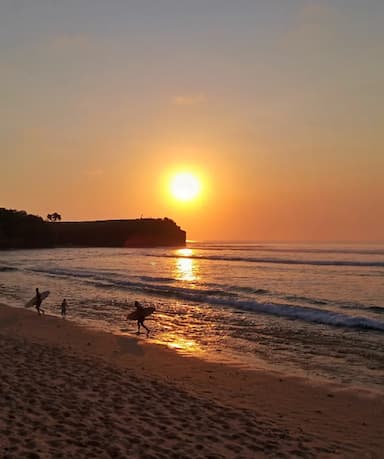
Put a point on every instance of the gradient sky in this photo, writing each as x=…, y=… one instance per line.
x=278, y=105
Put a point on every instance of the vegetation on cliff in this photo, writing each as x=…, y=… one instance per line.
x=21, y=230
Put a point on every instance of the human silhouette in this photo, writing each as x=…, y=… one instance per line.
x=64, y=306
x=38, y=302
x=140, y=317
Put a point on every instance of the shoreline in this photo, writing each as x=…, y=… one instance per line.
x=192, y=408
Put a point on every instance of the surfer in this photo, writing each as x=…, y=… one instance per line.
x=64, y=308
x=38, y=302
x=141, y=317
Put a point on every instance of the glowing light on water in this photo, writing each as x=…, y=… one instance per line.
x=184, y=345
x=184, y=252
x=186, y=269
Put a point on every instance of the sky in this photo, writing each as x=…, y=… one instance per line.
x=277, y=106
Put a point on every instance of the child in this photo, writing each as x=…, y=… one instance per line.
x=64, y=308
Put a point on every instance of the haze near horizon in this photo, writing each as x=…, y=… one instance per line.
x=270, y=112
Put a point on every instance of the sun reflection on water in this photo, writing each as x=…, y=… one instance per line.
x=186, y=269
x=177, y=323
x=184, y=252
x=183, y=345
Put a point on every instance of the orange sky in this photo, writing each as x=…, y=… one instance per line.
x=277, y=106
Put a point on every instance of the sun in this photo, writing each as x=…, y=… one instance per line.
x=185, y=186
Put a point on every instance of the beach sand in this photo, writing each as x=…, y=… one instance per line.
x=67, y=391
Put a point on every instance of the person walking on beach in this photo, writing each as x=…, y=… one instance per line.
x=38, y=302
x=140, y=317
x=64, y=308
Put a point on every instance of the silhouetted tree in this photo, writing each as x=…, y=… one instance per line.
x=54, y=217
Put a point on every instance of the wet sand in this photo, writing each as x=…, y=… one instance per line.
x=71, y=392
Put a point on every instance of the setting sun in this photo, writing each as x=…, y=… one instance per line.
x=185, y=186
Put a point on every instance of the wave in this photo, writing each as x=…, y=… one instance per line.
x=224, y=298
x=284, y=261
x=306, y=299
x=306, y=314
x=112, y=280
x=349, y=305
x=157, y=279
x=314, y=315
x=377, y=309
x=247, y=290
x=69, y=273
x=220, y=297
x=281, y=249
x=4, y=269
x=150, y=284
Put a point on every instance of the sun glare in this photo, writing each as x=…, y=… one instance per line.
x=185, y=186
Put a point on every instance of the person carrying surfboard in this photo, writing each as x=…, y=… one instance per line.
x=140, y=317
x=38, y=302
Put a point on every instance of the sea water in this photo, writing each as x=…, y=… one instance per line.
x=309, y=310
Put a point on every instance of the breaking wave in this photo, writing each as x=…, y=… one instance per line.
x=221, y=297
x=4, y=269
x=286, y=261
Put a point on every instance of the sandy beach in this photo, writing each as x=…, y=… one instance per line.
x=67, y=391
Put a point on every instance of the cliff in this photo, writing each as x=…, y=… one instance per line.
x=145, y=232
x=21, y=230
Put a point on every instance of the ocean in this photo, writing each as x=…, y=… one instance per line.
x=311, y=310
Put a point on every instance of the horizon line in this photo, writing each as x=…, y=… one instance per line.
x=286, y=241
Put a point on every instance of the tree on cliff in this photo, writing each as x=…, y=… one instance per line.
x=54, y=217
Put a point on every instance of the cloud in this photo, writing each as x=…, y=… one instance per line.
x=193, y=99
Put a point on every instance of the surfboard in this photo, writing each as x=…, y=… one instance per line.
x=32, y=302
x=134, y=315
